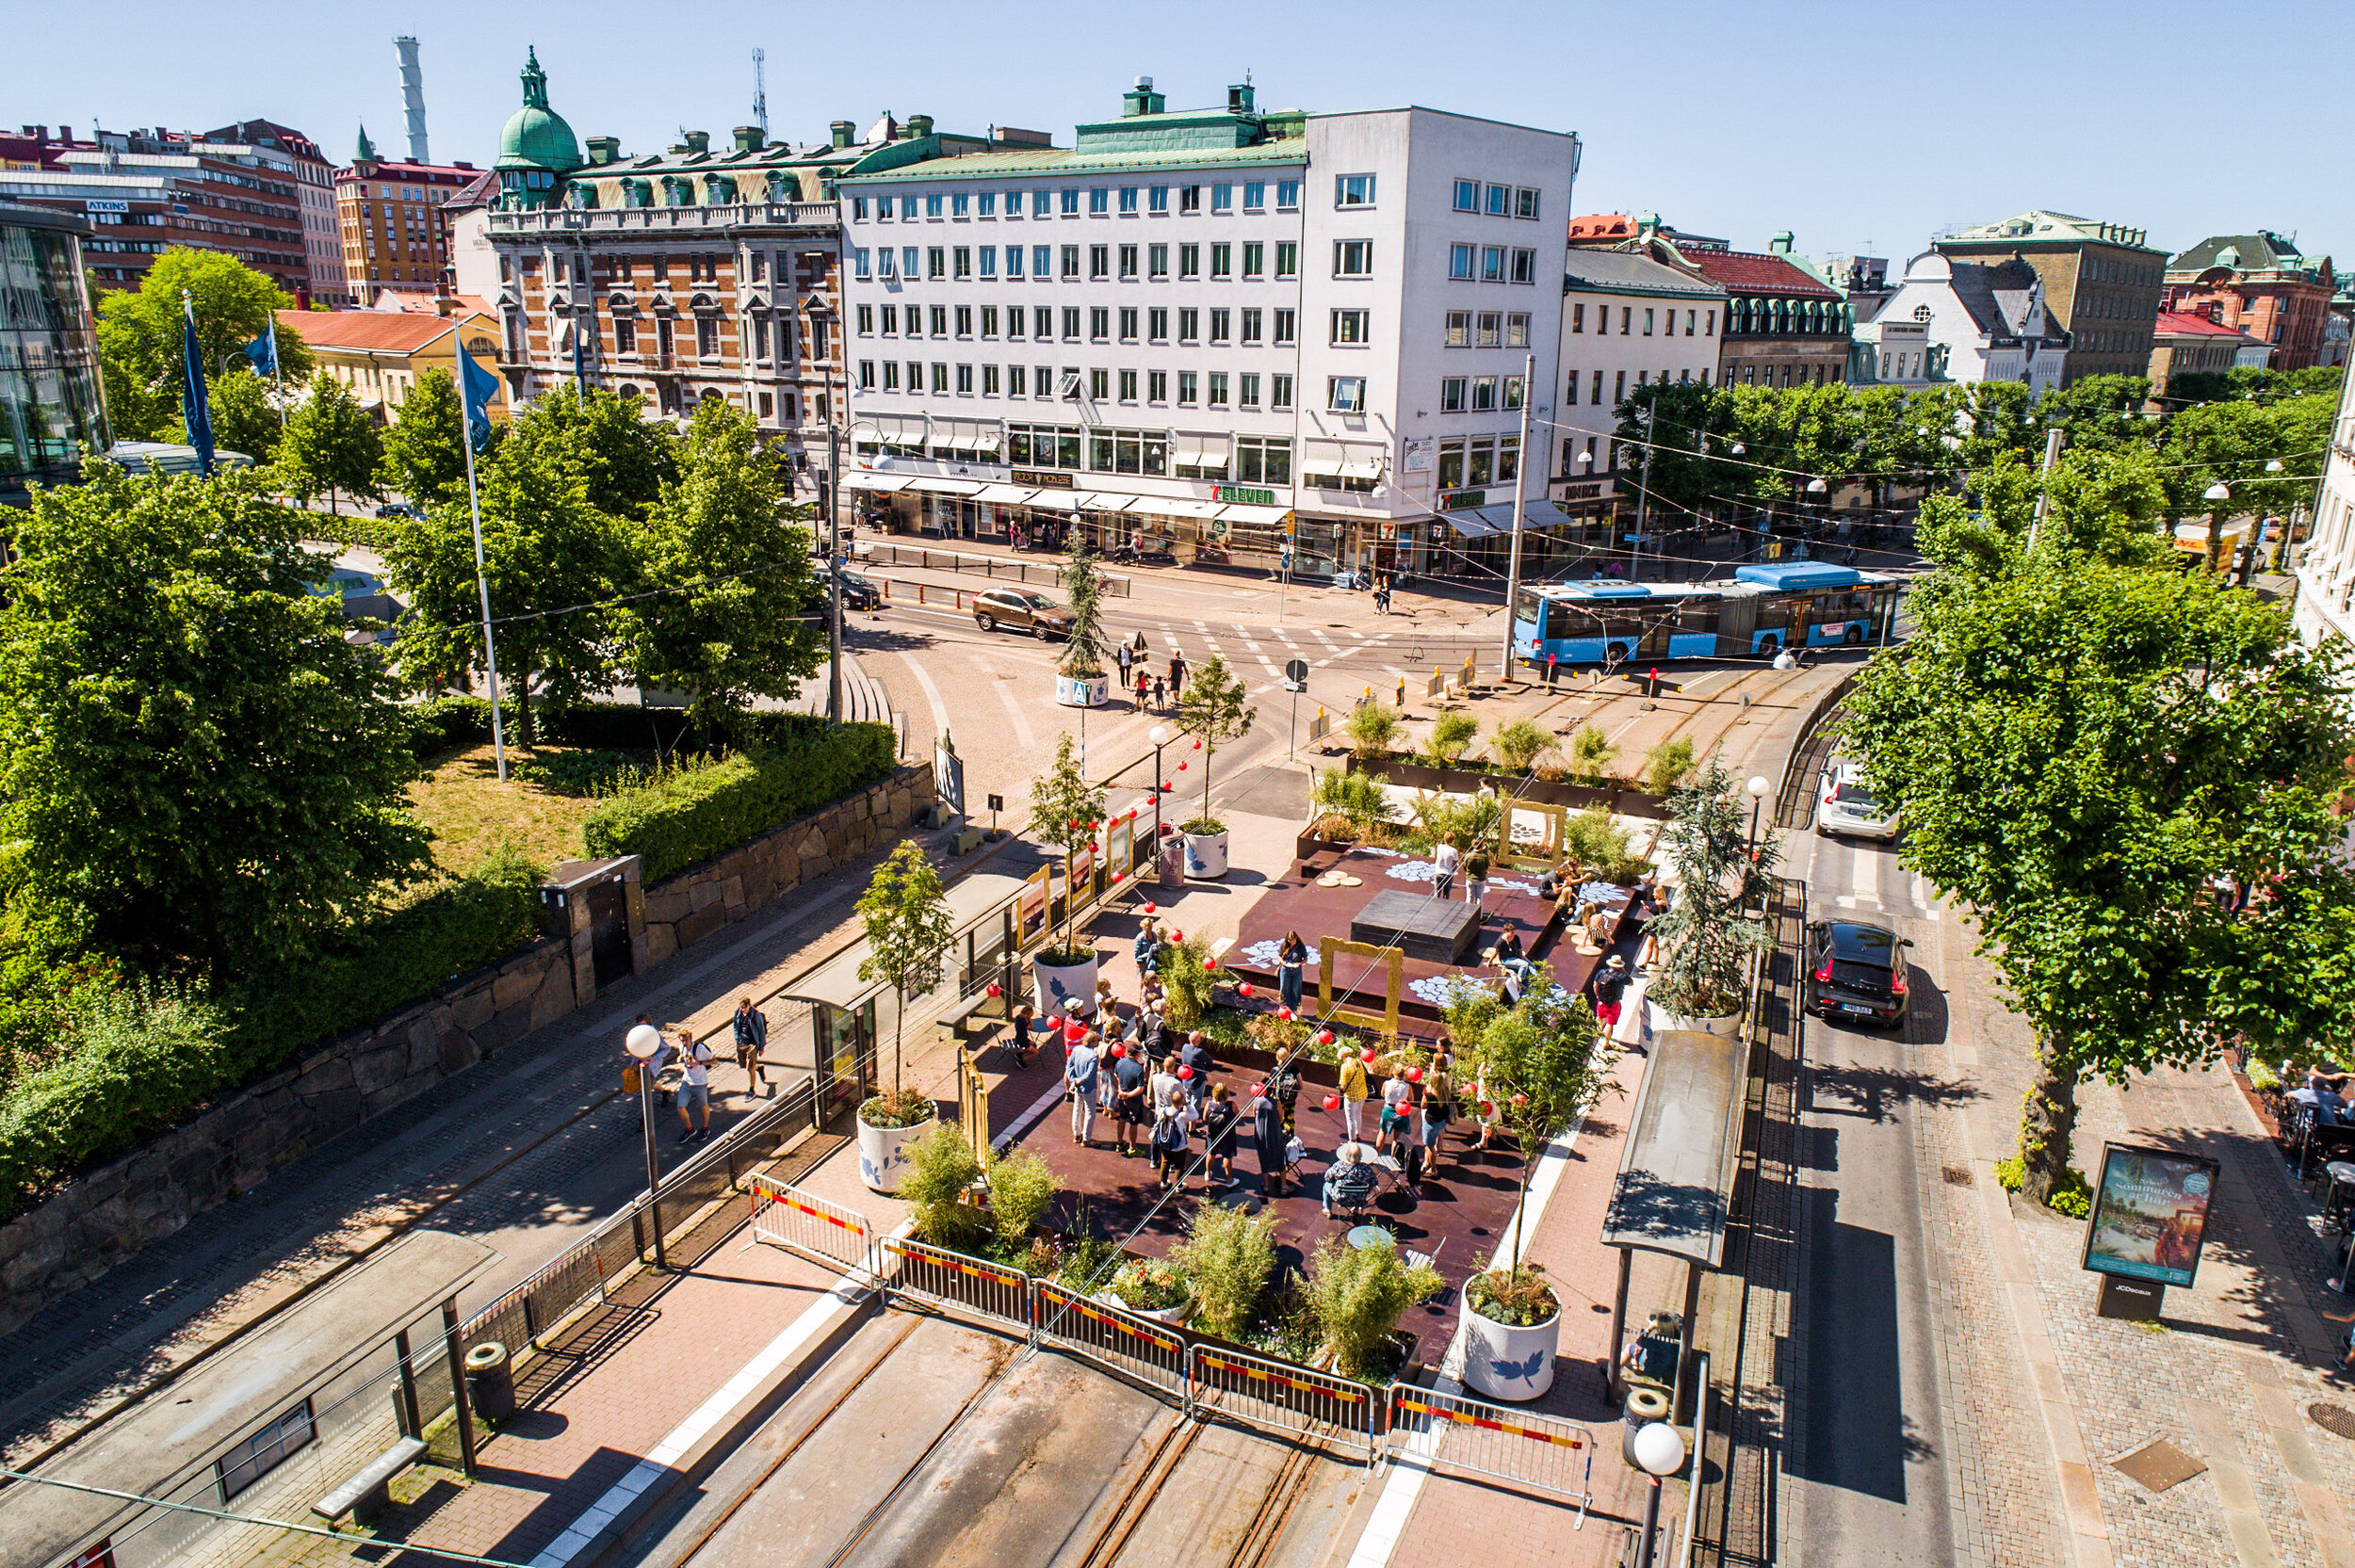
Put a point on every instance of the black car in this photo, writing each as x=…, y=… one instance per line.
x=859, y=594
x=1856, y=972
x=398, y=508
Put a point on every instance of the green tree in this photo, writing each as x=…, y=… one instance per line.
x=2082, y=750
x=423, y=457
x=139, y=335
x=1083, y=650
x=193, y=760
x=1706, y=936
x=1215, y=710
x=331, y=444
x=730, y=582
x=1064, y=809
x=244, y=418
x=905, y=918
x=623, y=460
x=553, y=562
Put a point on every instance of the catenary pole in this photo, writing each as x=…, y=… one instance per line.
x=1521, y=479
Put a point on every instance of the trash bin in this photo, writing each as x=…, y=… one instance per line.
x=490, y=1383
x=1644, y=1403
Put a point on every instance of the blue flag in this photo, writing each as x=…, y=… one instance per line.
x=196, y=414
x=263, y=351
x=480, y=387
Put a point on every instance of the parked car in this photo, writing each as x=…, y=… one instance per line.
x=1022, y=610
x=860, y=593
x=397, y=508
x=1846, y=806
x=1856, y=972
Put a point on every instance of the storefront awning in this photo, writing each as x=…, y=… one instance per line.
x=1178, y=506
x=1254, y=517
x=1005, y=495
x=1100, y=501
x=898, y=429
x=860, y=480
x=1054, y=500
x=1477, y=523
x=946, y=486
x=1498, y=520
x=1198, y=448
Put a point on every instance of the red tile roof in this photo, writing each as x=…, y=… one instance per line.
x=383, y=331
x=2190, y=324
x=420, y=303
x=1745, y=271
x=1609, y=225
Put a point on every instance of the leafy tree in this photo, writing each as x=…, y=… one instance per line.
x=244, y=418
x=1451, y=737
x=623, y=460
x=1215, y=710
x=139, y=335
x=905, y=917
x=1064, y=809
x=331, y=444
x=1706, y=936
x=732, y=586
x=424, y=458
x=553, y=563
x=1518, y=743
x=1592, y=752
x=2084, y=753
x=193, y=760
x=1083, y=650
x=1541, y=1062
x=2230, y=443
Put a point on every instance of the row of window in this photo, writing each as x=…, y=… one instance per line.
x=1786, y=317
x=1470, y=462
x=1249, y=326
x=1708, y=320
x=1256, y=459
x=1495, y=200
x=1477, y=394
x=1490, y=264
x=965, y=263
x=1488, y=330
x=1619, y=389
x=1101, y=200
x=1215, y=389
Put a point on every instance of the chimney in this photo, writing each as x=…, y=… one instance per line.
x=1238, y=97
x=602, y=150
x=1142, y=99
x=919, y=126
x=699, y=141
x=1781, y=244
x=1014, y=135
x=844, y=131
x=413, y=97
x=748, y=138
x=65, y=132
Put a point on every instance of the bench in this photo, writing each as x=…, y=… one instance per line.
x=965, y=1019
x=370, y=1487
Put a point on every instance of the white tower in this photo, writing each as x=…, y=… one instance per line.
x=413, y=97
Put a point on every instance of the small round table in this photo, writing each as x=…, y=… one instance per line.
x=1367, y=1238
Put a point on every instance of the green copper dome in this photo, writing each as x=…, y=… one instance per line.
x=536, y=136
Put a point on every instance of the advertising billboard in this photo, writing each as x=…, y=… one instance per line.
x=2150, y=1214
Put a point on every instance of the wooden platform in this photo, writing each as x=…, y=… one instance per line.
x=1440, y=930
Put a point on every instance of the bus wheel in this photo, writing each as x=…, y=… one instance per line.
x=1616, y=653
x=1770, y=646
x=1855, y=637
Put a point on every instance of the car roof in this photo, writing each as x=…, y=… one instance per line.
x=1854, y=938
x=1845, y=770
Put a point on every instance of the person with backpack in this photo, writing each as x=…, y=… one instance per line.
x=1218, y=1137
x=1610, y=986
x=1172, y=1141
x=751, y=1027
x=1194, y=1055
x=694, y=1094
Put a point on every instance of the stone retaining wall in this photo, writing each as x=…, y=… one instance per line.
x=236, y=1142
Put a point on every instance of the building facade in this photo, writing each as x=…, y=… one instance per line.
x=1990, y=320
x=1784, y=326
x=144, y=191
x=2101, y=283
x=2259, y=284
x=1626, y=321
x=2184, y=343
x=49, y=409
x=2326, y=566
x=298, y=158
x=1244, y=335
x=379, y=355
x=392, y=226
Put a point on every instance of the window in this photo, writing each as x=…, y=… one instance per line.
x=1042, y=261
x=1099, y=261
x=1452, y=394
x=858, y=210
x=1286, y=258
x=1100, y=323
x=1459, y=261
x=1156, y=324
x=1500, y=200
x=1287, y=328
x=1254, y=259
x=1189, y=324
x=1482, y=467
x=1156, y=386
x=1468, y=196
x=1071, y=323
x=1708, y=325
x=1353, y=258
x=1128, y=323
x=1189, y=261
x=1218, y=389
x=936, y=262
x=989, y=261
x=959, y=205
x=1013, y=321
x=965, y=321
x=1279, y=393
x=1251, y=319
x=1483, y=393
x=866, y=321
x=1516, y=330
x=989, y=205
x=1187, y=389
x=1071, y=261
x=1524, y=203
x=1345, y=393
x=1459, y=328
x=1158, y=199
x=1129, y=201
x=1157, y=259
x=1492, y=330
x=1222, y=197
x=1524, y=267
x=1099, y=201
x=1247, y=390
x=1221, y=320
x=1017, y=382
x=706, y=337
x=1188, y=198
x=1512, y=392
x=932, y=207
x=1127, y=386
x=1253, y=195
x=1127, y=261
x=1353, y=190
x=940, y=322
x=1043, y=322
x=866, y=375
x=1263, y=460
x=1619, y=389
x=1352, y=326
x=965, y=379
x=1626, y=318
x=940, y=376
x=1013, y=261
x=891, y=319
x=1287, y=199
x=1647, y=316
x=1099, y=384
x=1492, y=264
x=1071, y=201
x=989, y=381
x=255, y=1458
x=1451, y=474
x=1221, y=261
x=1570, y=396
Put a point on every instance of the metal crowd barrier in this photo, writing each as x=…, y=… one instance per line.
x=988, y=1288
x=812, y=1226
x=1110, y=1336
x=1517, y=1446
x=1278, y=1393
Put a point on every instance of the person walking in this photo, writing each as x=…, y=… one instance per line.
x=1161, y=692
x=1438, y=1110
x=1079, y=1077
x=1218, y=1137
x=752, y=1038
x=1382, y=596
x=1267, y=1138
x=1147, y=950
x=1610, y=986
x=1291, y=958
x=1354, y=1093
x=694, y=1094
x=1194, y=1055
x=1143, y=685
x=1172, y=1141
x=1128, y=1102
x=1177, y=676
x=1398, y=1103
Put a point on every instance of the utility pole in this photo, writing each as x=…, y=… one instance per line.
x=1643, y=502
x=2044, y=483
x=834, y=558
x=1521, y=479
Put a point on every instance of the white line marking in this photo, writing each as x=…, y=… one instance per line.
x=932, y=694
x=1022, y=733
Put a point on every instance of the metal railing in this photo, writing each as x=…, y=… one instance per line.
x=1520, y=1447
x=986, y=566
x=806, y=1223
x=1286, y=1397
x=1150, y=1352
x=938, y=1276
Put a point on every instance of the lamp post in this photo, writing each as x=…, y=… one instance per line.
x=1659, y=1450
x=1758, y=789
x=644, y=1043
x=2216, y=495
x=819, y=316
x=1159, y=737
x=1817, y=493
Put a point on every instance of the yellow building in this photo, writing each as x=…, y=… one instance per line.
x=379, y=355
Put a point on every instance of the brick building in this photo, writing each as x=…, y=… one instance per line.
x=291, y=153
x=2101, y=283
x=2261, y=285
x=1784, y=326
x=689, y=274
x=390, y=221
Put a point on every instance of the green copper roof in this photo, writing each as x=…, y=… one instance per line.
x=365, y=152
x=536, y=136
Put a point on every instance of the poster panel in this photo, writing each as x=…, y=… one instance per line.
x=2150, y=1214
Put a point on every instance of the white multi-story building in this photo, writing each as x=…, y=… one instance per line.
x=2326, y=568
x=1990, y=320
x=1626, y=320
x=1224, y=327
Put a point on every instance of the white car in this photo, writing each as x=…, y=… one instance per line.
x=1845, y=806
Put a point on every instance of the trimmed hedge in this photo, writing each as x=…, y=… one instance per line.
x=706, y=807
x=373, y=533
x=450, y=722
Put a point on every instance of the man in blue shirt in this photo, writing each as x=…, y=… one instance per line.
x=1128, y=1108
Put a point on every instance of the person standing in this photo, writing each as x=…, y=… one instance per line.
x=1398, y=1100
x=1194, y=1055
x=1143, y=685
x=1128, y=1103
x=1267, y=1137
x=694, y=1095
x=1147, y=950
x=1079, y=1074
x=1354, y=1093
x=1382, y=596
x=1177, y=676
x=1291, y=960
x=752, y=1038
x=1443, y=863
x=1171, y=1141
x=1218, y=1137
x=1125, y=655
x=1438, y=1110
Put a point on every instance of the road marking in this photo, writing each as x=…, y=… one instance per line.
x=932, y=694
x=1269, y=665
x=1022, y=735
x=1327, y=641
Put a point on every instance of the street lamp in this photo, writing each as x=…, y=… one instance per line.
x=2216, y=495
x=644, y=1043
x=1758, y=789
x=1659, y=1450
x=820, y=315
x=1159, y=737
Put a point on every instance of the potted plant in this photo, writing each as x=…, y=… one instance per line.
x=1451, y=737
x=1540, y=1065
x=1707, y=937
x=1591, y=754
x=939, y=1180
x=1370, y=728
x=1347, y=806
x=1080, y=678
x=1216, y=709
x=1064, y=810
x=1151, y=1287
x=1357, y=1295
x=1518, y=743
x=908, y=932
x=1189, y=976
x=1228, y=1256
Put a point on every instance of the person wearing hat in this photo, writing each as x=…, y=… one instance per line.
x=1610, y=985
x=1652, y=1354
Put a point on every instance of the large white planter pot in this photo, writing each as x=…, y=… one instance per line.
x=883, y=1156
x=1175, y=1316
x=1053, y=984
x=1206, y=856
x=1663, y=1019
x=1501, y=1362
x=1081, y=691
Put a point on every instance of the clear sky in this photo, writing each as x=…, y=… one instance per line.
x=1853, y=125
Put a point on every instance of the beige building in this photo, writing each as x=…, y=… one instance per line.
x=2186, y=342
x=389, y=216
x=2101, y=283
x=379, y=355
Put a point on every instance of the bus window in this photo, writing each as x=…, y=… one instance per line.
x=1697, y=614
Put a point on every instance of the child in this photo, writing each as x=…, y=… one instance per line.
x=1161, y=692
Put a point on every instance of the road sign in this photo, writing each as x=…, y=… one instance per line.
x=1296, y=675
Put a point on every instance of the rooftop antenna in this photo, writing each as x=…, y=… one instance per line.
x=761, y=91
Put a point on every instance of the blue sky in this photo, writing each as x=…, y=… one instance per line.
x=1847, y=123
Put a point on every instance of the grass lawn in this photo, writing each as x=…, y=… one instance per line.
x=469, y=813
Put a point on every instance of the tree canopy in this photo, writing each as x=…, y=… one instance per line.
x=424, y=458
x=332, y=446
x=139, y=335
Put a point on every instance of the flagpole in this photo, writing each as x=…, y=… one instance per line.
x=277, y=380
x=481, y=583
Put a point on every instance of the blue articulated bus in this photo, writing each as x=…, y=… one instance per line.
x=1763, y=610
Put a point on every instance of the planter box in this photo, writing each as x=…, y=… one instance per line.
x=1723, y=1026
x=1077, y=691
x=1053, y=984
x=1306, y=844
x=883, y=1153
x=1206, y=856
x=1501, y=1362
x=1464, y=781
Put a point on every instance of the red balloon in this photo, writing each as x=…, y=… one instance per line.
x=1414, y=1074
x=1176, y=936
x=1332, y=1102
x=1284, y=1014
x=993, y=988
x=1367, y=1058
x=1209, y=965
x=1521, y=1099
x=1166, y=784
x=1243, y=990
x=1118, y=874
x=1182, y=768
x=1324, y=1036
x=1488, y=1107
x=1149, y=908
x=1185, y=1072
x=1197, y=746
x=1258, y=1092
x=1120, y=1050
